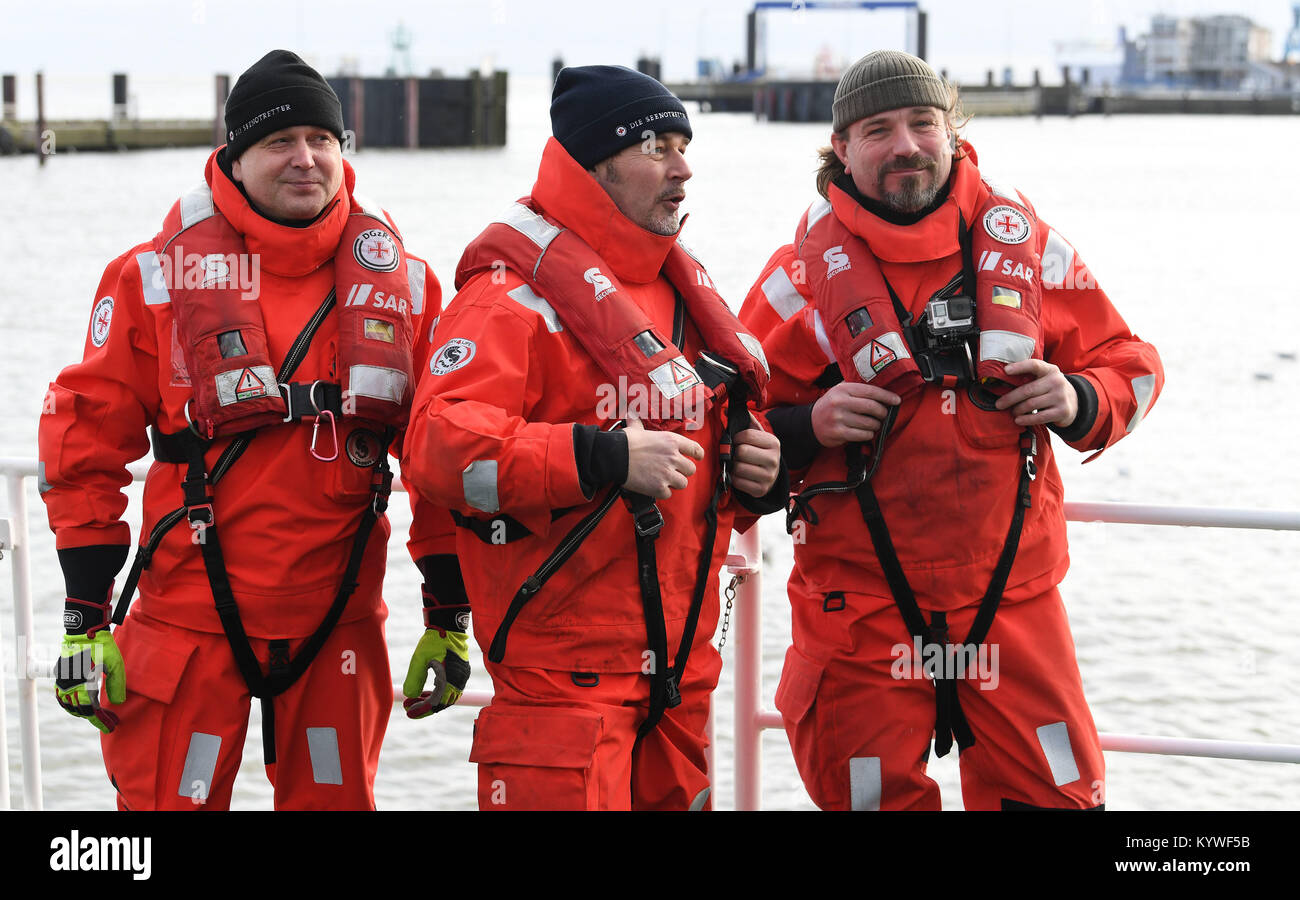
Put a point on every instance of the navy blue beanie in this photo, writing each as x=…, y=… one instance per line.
x=596, y=111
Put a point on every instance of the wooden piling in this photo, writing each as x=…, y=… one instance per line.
x=9, y=111
x=41, y=144
x=222, y=91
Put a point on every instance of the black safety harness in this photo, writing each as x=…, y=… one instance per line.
x=647, y=522
x=303, y=400
x=934, y=639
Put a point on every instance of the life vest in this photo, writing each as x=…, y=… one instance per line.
x=223, y=335
x=868, y=327
x=559, y=265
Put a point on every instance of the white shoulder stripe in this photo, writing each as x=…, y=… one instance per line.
x=196, y=205
x=415, y=270
x=527, y=297
x=781, y=293
x=1058, y=256
x=153, y=283
x=530, y=225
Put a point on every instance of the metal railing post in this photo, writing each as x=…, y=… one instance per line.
x=6, y=545
x=23, y=633
x=748, y=622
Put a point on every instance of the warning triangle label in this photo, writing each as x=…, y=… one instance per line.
x=881, y=356
x=683, y=376
x=249, y=386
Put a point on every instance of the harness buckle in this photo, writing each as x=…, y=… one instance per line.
x=315, y=433
x=648, y=522
x=287, y=391
x=672, y=696
x=200, y=508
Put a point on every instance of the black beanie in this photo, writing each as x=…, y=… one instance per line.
x=596, y=111
x=278, y=91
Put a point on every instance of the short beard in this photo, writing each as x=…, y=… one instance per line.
x=665, y=225
x=912, y=196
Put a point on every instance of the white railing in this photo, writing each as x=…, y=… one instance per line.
x=750, y=715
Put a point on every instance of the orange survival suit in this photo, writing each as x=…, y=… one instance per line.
x=288, y=510
x=496, y=435
x=855, y=694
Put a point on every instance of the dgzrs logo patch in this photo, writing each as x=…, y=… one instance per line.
x=1007, y=224
x=376, y=250
x=453, y=355
x=100, y=319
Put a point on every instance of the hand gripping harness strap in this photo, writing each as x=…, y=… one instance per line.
x=647, y=522
x=868, y=329
x=222, y=333
x=559, y=266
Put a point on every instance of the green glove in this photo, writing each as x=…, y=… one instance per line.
x=76, y=677
x=447, y=654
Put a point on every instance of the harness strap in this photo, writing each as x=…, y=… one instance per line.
x=234, y=450
x=950, y=720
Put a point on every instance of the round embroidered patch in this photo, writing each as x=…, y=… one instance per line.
x=375, y=249
x=100, y=319
x=363, y=447
x=1007, y=224
x=455, y=353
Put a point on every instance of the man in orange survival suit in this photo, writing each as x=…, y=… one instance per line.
x=222, y=322
x=926, y=330
x=577, y=309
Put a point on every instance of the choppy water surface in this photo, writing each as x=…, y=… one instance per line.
x=1186, y=224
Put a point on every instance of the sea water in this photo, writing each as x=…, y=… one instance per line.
x=1188, y=224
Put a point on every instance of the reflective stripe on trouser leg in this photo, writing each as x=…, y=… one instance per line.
x=864, y=783
x=323, y=745
x=1055, y=741
x=200, y=765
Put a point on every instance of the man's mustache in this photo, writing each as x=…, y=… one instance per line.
x=916, y=161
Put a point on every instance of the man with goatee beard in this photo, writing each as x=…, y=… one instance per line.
x=928, y=332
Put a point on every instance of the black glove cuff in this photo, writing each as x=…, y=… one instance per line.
x=445, y=618
x=1085, y=416
x=86, y=616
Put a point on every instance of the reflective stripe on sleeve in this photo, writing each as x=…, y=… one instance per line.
x=781, y=294
x=480, y=482
x=525, y=296
x=1144, y=388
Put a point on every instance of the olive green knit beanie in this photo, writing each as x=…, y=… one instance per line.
x=884, y=80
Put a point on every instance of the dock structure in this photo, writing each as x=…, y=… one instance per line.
x=810, y=100
x=377, y=112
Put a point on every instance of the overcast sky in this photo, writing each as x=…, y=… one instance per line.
x=194, y=37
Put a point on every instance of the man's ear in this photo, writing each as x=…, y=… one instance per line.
x=840, y=147
x=236, y=172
